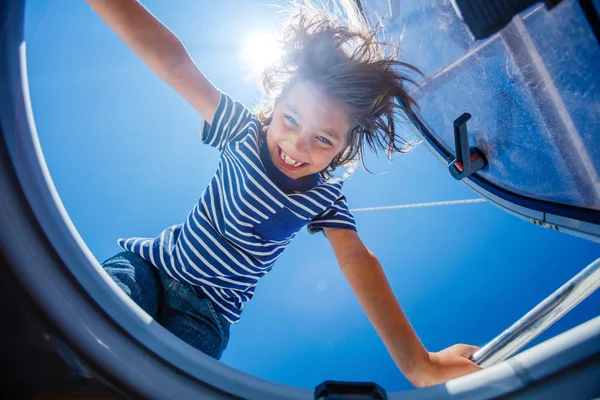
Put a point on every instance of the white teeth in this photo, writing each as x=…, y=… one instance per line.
x=289, y=160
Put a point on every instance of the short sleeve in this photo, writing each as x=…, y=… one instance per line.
x=231, y=119
x=337, y=216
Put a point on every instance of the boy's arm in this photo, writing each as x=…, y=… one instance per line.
x=368, y=281
x=161, y=50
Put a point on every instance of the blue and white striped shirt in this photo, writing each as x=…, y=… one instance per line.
x=243, y=221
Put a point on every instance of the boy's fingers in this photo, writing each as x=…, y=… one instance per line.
x=467, y=351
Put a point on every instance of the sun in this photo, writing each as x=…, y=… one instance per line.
x=260, y=51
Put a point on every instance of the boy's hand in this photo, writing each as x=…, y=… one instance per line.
x=451, y=363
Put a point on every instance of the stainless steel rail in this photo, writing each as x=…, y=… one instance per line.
x=541, y=317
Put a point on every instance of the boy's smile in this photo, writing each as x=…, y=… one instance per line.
x=307, y=131
x=288, y=162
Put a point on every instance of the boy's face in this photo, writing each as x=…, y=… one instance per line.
x=308, y=130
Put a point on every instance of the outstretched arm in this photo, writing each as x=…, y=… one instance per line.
x=368, y=281
x=161, y=50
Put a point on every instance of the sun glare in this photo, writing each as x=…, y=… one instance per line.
x=260, y=51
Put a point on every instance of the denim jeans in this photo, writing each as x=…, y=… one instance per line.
x=173, y=304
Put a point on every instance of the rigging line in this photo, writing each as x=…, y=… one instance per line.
x=434, y=204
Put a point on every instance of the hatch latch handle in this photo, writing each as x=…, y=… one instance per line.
x=340, y=390
x=468, y=159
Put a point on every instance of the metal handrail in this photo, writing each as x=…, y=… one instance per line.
x=540, y=318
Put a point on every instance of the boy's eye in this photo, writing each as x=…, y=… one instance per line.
x=324, y=140
x=291, y=119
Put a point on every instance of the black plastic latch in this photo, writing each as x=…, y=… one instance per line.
x=337, y=390
x=468, y=159
x=486, y=17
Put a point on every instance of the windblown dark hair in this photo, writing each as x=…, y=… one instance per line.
x=345, y=59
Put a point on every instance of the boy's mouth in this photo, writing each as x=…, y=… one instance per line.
x=288, y=162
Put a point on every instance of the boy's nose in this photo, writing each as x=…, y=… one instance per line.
x=300, y=143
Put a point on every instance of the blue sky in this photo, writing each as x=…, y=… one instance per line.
x=124, y=153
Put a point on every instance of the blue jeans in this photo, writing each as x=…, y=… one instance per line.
x=173, y=304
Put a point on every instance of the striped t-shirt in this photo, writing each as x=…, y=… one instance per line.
x=243, y=220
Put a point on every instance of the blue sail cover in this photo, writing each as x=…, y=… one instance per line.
x=533, y=91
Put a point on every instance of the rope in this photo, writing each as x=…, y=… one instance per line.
x=434, y=204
